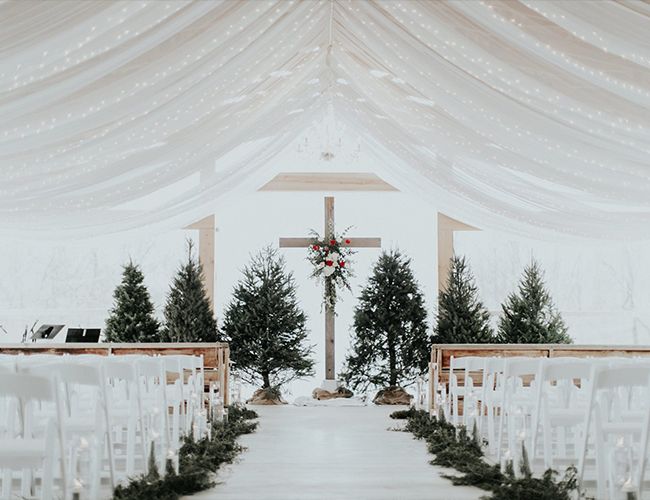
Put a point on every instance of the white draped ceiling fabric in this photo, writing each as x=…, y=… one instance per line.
x=530, y=115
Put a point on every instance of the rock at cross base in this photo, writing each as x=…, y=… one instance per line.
x=322, y=394
x=393, y=396
x=266, y=397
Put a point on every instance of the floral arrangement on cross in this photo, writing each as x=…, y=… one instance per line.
x=331, y=260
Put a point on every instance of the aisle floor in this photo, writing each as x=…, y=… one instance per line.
x=318, y=453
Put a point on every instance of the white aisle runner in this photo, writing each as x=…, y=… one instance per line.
x=321, y=453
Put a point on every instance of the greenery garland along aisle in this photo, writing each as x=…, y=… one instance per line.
x=455, y=448
x=198, y=461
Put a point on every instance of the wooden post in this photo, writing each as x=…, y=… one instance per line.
x=446, y=228
x=329, y=309
x=206, y=228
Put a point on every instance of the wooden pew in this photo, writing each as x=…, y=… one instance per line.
x=216, y=355
x=441, y=355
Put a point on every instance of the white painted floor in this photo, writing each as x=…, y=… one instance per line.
x=320, y=453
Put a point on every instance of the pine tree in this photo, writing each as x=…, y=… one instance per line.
x=188, y=314
x=529, y=316
x=132, y=317
x=391, y=345
x=265, y=326
x=462, y=318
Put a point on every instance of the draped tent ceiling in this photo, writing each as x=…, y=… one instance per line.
x=528, y=114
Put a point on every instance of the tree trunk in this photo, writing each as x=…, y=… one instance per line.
x=266, y=380
x=392, y=360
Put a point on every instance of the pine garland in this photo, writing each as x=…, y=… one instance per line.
x=198, y=461
x=455, y=448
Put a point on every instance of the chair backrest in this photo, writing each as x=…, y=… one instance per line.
x=565, y=369
x=627, y=375
x=26, y=387
x=519, y=367
x=466, y=362
x=70, y=373
x=114, y=368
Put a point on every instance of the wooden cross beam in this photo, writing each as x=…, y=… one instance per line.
x=446, y=229
x=355, y=242
x=206, y=230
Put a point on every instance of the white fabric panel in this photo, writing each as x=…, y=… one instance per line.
x=528, y=114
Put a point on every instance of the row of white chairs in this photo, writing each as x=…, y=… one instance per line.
x=78, y=425
x=592, y=413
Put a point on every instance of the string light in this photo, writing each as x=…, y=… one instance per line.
x=142, y=94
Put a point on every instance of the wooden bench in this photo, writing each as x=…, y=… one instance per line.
x=216, y=355
x=441, y=355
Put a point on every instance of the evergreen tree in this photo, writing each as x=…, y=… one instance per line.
x=132, y=317
x=391, y=345
x=188, y=314
x=265, y=326
x=529, y=316
x=462, y=318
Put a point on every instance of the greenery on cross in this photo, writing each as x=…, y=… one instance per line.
x=265, y=326
x=462, y=318
x=188, y=313
x=131, y=318
x=529, y=316
x=391, y=343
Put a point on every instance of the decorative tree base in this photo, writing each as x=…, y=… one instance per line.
x=393, y=396
x=331, y=389
x=267, y=396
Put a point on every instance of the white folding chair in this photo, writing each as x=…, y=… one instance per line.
x=562, y=393
x=491, y=398
x=123, y=413
x=85, y=421
x=21, y=448
x=616, y=427
x=153, y=409
x=466, y=390
x=518, y=401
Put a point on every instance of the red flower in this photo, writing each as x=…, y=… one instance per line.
x=347, y=242
x=329, y=262
x=332, y=242
x=316, y=247
x=341, y=263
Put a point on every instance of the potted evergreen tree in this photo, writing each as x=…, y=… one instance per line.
x=188, y=313
x=461, y=317
x=391, y=342
x=266, y=328
x=529, y=316
x=132, y=317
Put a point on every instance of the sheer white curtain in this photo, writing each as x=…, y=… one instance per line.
x=529, y=114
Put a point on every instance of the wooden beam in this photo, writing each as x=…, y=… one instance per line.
x=356, y=242
x=206, y=228
x=327, y=181
x=446, y=228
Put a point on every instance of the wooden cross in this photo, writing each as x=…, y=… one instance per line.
x=304, y=243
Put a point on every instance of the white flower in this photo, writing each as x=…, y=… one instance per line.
x=334, y=256
x=328, y=270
